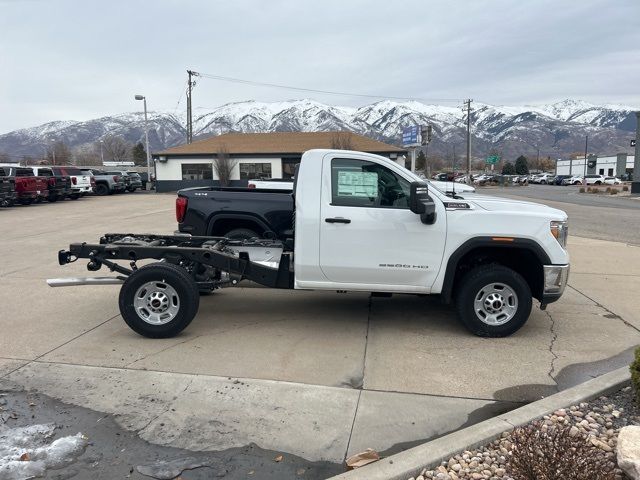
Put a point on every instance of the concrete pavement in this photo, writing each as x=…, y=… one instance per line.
x=319, y=375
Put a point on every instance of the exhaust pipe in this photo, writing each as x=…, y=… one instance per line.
x=75, y=281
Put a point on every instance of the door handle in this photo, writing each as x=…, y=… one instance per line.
x=337, y=220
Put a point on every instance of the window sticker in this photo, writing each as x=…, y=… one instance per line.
x=357, y=184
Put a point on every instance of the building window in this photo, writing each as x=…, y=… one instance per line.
x=601, y=172
x=611, y=172
x=255, y=171
x=289, y=166
x=197, y=171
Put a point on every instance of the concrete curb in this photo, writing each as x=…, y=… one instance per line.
x=404, y=465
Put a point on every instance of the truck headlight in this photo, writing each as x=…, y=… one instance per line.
x=560, y=230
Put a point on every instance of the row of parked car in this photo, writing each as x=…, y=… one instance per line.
x=539, y=178
x=27, y=185
x=551, y=179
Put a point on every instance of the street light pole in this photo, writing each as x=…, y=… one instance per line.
x=146, y=136
x=635, y=186
x=101, y=153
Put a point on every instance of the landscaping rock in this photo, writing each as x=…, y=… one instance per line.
x=628, y=448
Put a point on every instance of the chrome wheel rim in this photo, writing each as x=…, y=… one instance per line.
x=156, y=303
x=495, y=304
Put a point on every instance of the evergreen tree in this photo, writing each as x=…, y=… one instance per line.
x=522, y=166
x=139, y=154
x=421, y=161
x=508, y=169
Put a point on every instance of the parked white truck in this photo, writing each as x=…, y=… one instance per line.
x=361, y=223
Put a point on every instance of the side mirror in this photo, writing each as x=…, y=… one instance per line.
x=420, y=202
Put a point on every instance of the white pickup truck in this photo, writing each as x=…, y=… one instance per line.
x=361, y=223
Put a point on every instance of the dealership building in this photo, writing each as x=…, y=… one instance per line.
x=610, y=166
x=252, y=156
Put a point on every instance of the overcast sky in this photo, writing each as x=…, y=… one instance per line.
x=76, y=60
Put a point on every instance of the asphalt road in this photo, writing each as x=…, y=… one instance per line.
x=604, y=217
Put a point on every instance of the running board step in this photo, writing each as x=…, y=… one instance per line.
x=75, y=281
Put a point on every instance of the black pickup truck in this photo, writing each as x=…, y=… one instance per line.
x=235, y=212
x=8, y=193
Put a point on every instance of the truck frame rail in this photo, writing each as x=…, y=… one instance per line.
x=212, y=261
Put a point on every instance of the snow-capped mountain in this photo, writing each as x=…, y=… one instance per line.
x=556, y=129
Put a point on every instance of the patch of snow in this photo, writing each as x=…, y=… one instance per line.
x=27, y=452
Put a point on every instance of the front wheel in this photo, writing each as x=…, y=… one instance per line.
x=159, y=300
x=493, y=301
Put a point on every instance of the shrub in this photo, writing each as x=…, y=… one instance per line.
x=613, y=191
x=608, y=190
x=539, y=452
x=625, y=189
x=588, y=189
x=595, y=190
x=581, y=189
x=635, y=374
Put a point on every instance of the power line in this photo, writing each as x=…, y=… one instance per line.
x=324, y=92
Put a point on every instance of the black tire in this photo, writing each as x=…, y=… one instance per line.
x=177, y=278
x=543, y=182
x=132, y=190
x=74, y=196
x=26, y=201
x=598, y=183
x=241, y=234
x=472, y=285
x=102, y=189
x=53, y=198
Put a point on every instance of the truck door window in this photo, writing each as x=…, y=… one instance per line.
x=358, y=183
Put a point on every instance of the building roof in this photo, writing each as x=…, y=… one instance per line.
x=278, y=143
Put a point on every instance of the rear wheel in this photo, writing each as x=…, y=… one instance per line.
x=159, y=300
x=493, y=301
x=26, y=201
x=74, y=196
x=241, y=234
x=102, y=189
x=53, y=198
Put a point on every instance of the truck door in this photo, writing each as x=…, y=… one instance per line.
x=368, y=235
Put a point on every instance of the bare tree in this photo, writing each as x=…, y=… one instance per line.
x=116, y=149
x=342, y=141
x=59, y=154
x=223, y=166
x=87, y=155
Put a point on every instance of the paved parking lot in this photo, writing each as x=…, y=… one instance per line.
x=319, y=375
x=605, y=217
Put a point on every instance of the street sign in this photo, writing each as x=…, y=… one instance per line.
x=633, y=143
x=411, y=136
x=492, y=160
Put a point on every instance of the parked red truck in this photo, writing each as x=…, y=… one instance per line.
x=27, y=185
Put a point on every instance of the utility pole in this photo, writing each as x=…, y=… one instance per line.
x=190, y=84
x=467, y=104
x=586, y=148
x=635, y=186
